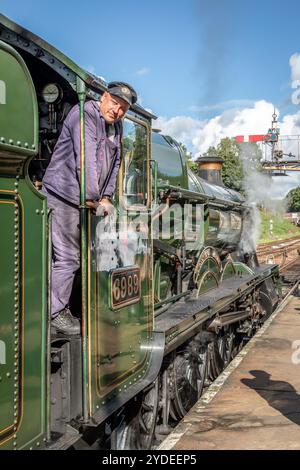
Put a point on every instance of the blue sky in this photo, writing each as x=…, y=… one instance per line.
x=207, y=68
x=183, y=56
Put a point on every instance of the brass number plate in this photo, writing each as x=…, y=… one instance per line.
x=125, y=287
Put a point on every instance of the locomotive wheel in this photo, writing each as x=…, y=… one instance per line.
x=137, y=422
x=225, y=345
x=187, y=378
x=215, y=362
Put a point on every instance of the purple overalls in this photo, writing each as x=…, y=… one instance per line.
x=61, y=185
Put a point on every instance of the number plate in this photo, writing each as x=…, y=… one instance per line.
x=125, y=287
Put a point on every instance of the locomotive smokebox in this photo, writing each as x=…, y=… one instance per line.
x=210, y=169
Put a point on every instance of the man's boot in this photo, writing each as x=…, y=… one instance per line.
x=65, y=323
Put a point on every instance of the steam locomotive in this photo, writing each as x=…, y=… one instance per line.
x=168, y=291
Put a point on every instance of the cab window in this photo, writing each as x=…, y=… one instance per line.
x=134, y=161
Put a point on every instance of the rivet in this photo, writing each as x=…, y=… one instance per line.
x=16, y=327
x=16, y=356
x=15, y=443
x=97, y=407
x=16, y=184
x=0, y=379
x=16, y=198
x=26, y=145
x=2, y=139
x=15, y=436
x=8, y=374
x=16, y=191
x=15, y=413
x=30, y=448
x=42, y=212
x=18, y=177
x=103, y=403
x=10, y=141
x=16, y=348
x=15, y=364
x=19, y=143
x=33, y=146
x=38, y=444
x=15, y=428
x=37, y=211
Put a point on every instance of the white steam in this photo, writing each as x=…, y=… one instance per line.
x=260, y=190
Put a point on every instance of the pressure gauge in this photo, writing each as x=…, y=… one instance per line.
x=51, y=93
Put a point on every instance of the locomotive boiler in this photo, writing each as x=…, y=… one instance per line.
x=167, y=292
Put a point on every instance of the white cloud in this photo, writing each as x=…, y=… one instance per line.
x=181, y=128
x=247, y=121
x=295, y=68
x=198, y=135
x=143, y=71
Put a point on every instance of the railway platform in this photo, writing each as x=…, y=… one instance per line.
x=255, y=402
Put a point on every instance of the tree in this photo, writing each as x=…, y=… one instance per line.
x=240, y=160
x=293, y=200
x=188, y=156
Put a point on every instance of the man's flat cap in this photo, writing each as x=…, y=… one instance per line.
x=123, y=90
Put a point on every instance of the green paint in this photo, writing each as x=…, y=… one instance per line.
x=18, y=106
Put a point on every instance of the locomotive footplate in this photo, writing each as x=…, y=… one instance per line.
x=182, y=320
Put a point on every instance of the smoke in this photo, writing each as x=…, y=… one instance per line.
x=260, y=189
x=216, y=29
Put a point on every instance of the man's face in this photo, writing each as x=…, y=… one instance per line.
x=113, y=107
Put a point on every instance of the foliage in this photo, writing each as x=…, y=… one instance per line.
x=239, y=160
x=281, y=228
x=189, y=157
x=293, y=200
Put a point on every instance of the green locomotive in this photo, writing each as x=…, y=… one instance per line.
x=165, y=301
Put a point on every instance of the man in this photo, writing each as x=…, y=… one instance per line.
x=61, y=185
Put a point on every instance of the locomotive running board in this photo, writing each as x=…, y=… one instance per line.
x=156, y=349
x=186, y=317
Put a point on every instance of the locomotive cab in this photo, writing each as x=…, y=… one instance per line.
x=81, y=375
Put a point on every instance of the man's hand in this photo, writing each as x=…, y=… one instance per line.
x=93, y=205
x=105, y=207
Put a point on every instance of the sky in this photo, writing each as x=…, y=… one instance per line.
x=206, y=68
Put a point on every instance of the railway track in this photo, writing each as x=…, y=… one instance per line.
x=283, y=252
